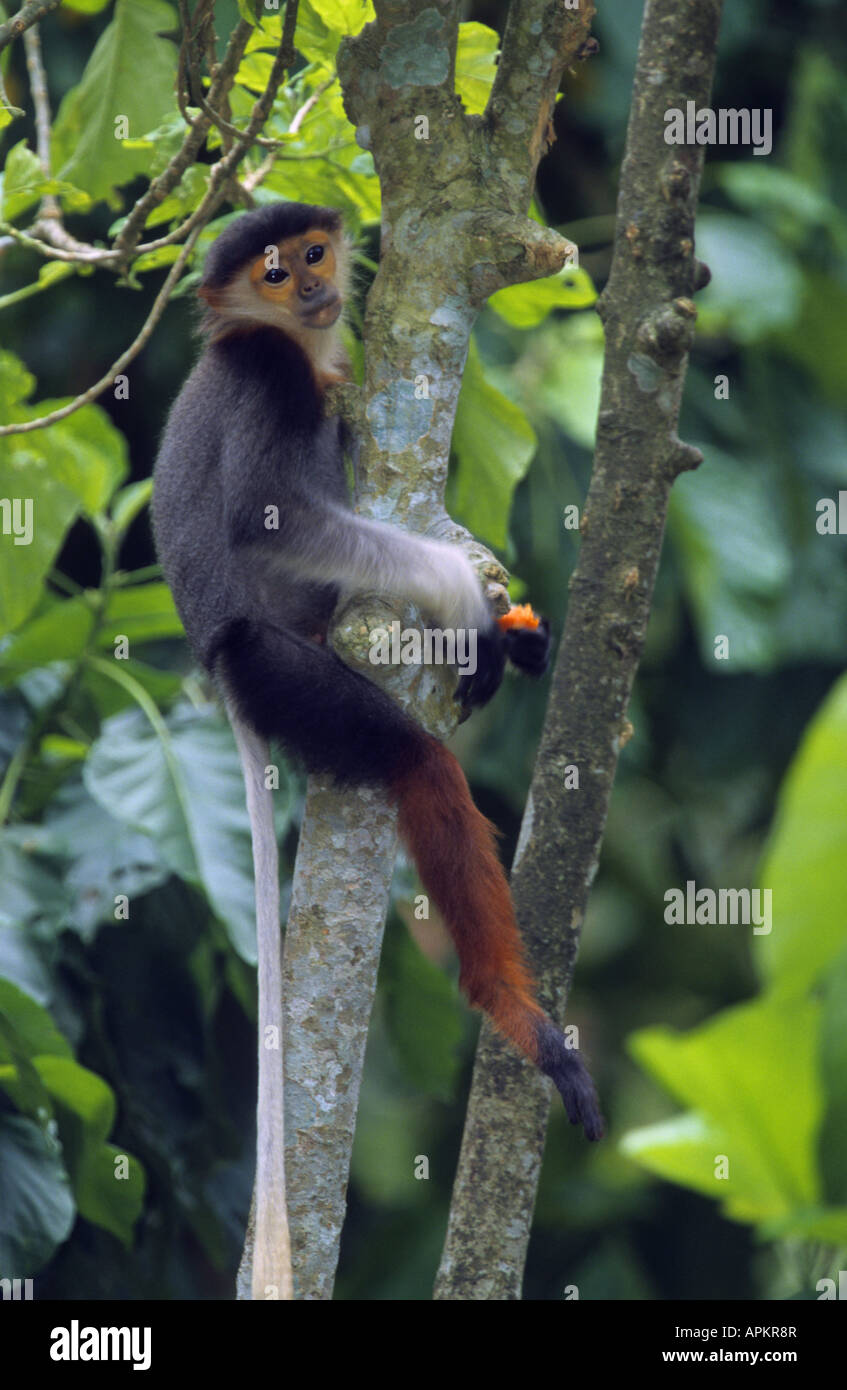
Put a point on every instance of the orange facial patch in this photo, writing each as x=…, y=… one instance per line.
x=290, y=255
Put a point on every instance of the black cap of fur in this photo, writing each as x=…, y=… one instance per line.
x=247, y=237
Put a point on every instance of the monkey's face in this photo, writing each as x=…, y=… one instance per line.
x=297, y=278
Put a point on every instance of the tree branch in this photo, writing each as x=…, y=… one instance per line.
x=140, y=341
x=126, y=244
x=27, y=15
x=649, y=318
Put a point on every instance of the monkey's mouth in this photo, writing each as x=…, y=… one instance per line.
x=323, y=315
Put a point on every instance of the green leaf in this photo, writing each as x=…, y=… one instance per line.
x=18, y=1077
x=313, y=38
x=344, y=16
x=86, y=6
x=493, y=444
x=525, y=306
x=59, y=635
x=104, y=857
x=35, y=1031
x=185, y=790
x=81, y=1091
x=141, y=612
x=805, y=861
x=747, y=1073
x=22, y=179
x=108, y=1200
x=85, y=147
x=756, y=285
x=37, y=1211
x=85, y=1107
x=560, y=374
x=49, y=274
x=31, y=895
x=25, y=475
x=85, y=452
x=423, y=1014
x=24, y=183
x=834, y=1072
x=109, y=698
x=736, y=561
x=129, y=502
x=476, y=52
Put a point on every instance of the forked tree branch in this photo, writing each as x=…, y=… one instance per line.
x=649, y=316
x=454, y=229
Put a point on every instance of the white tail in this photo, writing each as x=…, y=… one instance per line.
x=272, y=1276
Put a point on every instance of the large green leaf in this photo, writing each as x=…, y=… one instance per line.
x=31, y=895
x=805, y=862
x=85, y=1107
x=104, y=858
x=85, y=147
x=493, y=445
x=37, y=1210
x=75, y=465
x=525, y=306
x=185, y=790
x=751, y=1076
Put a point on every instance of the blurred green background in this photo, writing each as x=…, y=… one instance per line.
x=136, y=1036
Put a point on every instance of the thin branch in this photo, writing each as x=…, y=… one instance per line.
x=649, y=316
x=141, y=339
x=27, y=15
x=302, y=112
x=83, y=255
x=164, y=184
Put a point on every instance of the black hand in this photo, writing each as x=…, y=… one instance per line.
x=477, y=689
x=528, y=648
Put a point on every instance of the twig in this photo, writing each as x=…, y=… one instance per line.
x=26, y=426
x=27, y=15
x=83, y=254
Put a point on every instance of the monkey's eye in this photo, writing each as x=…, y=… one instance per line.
x=314, y=254
x=276, y=277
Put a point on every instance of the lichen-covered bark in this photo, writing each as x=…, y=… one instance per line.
x=454, y=230
x=649, y=318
